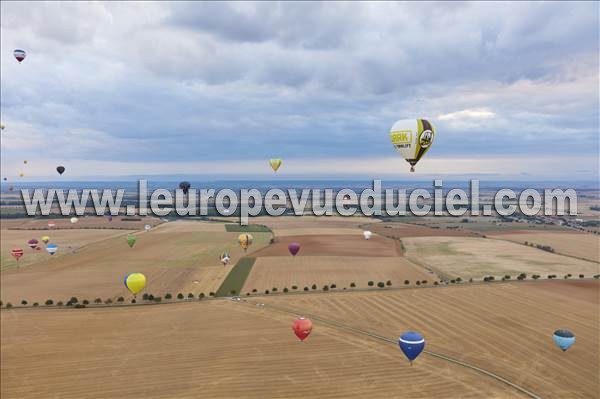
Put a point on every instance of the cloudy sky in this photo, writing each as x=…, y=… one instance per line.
x=119, y=89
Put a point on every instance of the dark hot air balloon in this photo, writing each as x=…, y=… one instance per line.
x=60, y=169
x=294, y=247
x=185, y=186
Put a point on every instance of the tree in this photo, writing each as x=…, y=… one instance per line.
x=325, y=288
x=305, y=288
x=190, y=296
x=370, y=283
x=451, y=281
x=423, y=281
x=180, y=295
x=535, y=276
x=133, y=300
x=23, y=302
x=435, y=283
x=406, y=282
x=8, y=305
x=507, y=277
x=211, y=294
x=120, y=299
x=150, y=297
x=470, y=280
x=294, y=287
x=49, y=302
x=581, y=276
x=332, y=286
x=267, y=292
x=73, y=300
x=108, y=301
x=35, y=304
x=352, y=285
x=59, y=303
x=97, y=300
x=157, y=299
x=201, y=296
x=168, y=296
x=254, y=290
x=146, y=297
x=381, y=284
x=388, y=283
x=274, y=289
x=314, y=287
x=285, y=290
x=418, y=283
x=459, y=280
x=86, y=302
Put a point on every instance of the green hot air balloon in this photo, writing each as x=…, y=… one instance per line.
x=131, y=240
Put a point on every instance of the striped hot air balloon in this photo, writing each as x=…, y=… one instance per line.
x=16, y=253
x=51, y=248
x=51, y=225
x=20, y=55
x=564, y=339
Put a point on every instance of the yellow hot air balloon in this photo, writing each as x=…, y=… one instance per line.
x=46, y=239
x=135, y=282
x=2, y=126
x=21, y=174
x=412, y=138
x=275, y=163
x=245, y=241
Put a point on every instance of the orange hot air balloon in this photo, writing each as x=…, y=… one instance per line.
x=17, y=253
x=302, y=328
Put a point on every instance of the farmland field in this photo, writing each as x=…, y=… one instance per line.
x=469, y=257
x=176, y=257
x=579, y=245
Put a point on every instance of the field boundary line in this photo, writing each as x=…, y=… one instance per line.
x=393, y=341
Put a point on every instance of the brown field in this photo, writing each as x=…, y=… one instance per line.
x=214, y=349
x=469, y=257
x=333, y=245
x=175, y=257
x=304, y=271
x=314, y=225
x=504, y=328
x=579, y=245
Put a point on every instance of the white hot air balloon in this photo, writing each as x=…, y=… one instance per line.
x=412, y=138
x=74, y=220
x=147, y=227
x=367, y=234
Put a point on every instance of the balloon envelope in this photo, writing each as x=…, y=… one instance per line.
x=51, y=248
x=302, y=328
x=135, y=282
x=367, y=234
x=275, y=163
x=16, y=253
x=411, y=344
x=74, y=220
x=32, y=243
x=245, y=240
x=564, y=339
x=294, y=247
x=185, y=186
x=45, y=239
x=51, y=225
x=60, y=169
x=131, y=240
x=225, y=258
x=109, y=217
x=412, y=138
x=19, y=55
x=147, y=227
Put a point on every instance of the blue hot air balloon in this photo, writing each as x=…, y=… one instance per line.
x=412, y=344
x=564, y=339
x=51, y=248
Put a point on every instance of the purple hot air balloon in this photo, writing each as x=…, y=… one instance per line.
x=294, y=248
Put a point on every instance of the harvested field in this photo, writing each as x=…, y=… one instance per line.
x=314, y=225
x=333, y=245
x=212, y=349
x=579, y=245
x=504, y=328
x=468, y=257
x=304, y=271
x=175, y=257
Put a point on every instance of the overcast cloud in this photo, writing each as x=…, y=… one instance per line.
x=129, y=88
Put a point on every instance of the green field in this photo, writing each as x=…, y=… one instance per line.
x=236, y=278
x=251, y=228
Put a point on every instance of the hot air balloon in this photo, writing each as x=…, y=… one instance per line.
x=367, y=234
x=564, y=339
x=412, y=138
x=51, y=225
x=19, y=55
x=131, y=239
x=412, y=344
x=147, y=227
x=21, y=174
x=51, y=248
x=17, y=253
x=302, y=328
x=2, y=126
x=32, y=243
x=245, y=240
x=60, y=169
x=275, y=163
x=294, y=247
x=135, y=282
x=25, y=162
x=38, y=248
x=185, y=186
x=225, y=258
x=45, y=239
x=74, y=220
x=109, y=217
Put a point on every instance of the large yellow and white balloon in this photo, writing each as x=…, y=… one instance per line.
x=412, y=138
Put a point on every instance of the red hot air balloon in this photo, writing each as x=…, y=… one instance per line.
x=17, y=253
x=302, y=328
x=51, y=225
x=32, y=243
x=294, y=248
